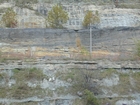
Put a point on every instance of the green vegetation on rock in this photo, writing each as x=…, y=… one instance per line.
x=57, y=17
x=9, y=19
x=91, y=18
x=21, y=89
x=28, y=74
x=90, y=98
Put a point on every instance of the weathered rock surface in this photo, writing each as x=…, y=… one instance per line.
x=51, y=67
x=57, y=54
x=115, y=43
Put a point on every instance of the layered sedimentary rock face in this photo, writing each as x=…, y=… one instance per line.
x=35, y=14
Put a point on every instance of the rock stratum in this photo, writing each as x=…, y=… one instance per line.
x=33, y=15
x=119, y=42
x=41, y=66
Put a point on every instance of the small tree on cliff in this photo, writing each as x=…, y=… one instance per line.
x=91, y=18
x=57, y=17
x=9, y=18
x=84, y=81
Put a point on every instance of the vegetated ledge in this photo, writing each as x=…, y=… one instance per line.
x=70, y=62
x=31, y=99
x=35, y=99
x=116, y=96
x=91, y=65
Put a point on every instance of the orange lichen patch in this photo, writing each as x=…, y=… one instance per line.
x=5, y=49
x=101, y=52
x=40, y=49
x=105, y=54
x=41, y=54
x=11, y=55
x=73, y=50
x=31, y=24
x=64, y=52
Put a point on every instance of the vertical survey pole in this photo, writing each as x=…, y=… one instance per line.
x=90, y=39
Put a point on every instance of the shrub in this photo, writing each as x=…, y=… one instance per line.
x=78, y=42
x=90, y=98
x=3, y=76
x=84, y=51
x=35, y=73
x=83, y=79
x=9, y=18
x=28, y=74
